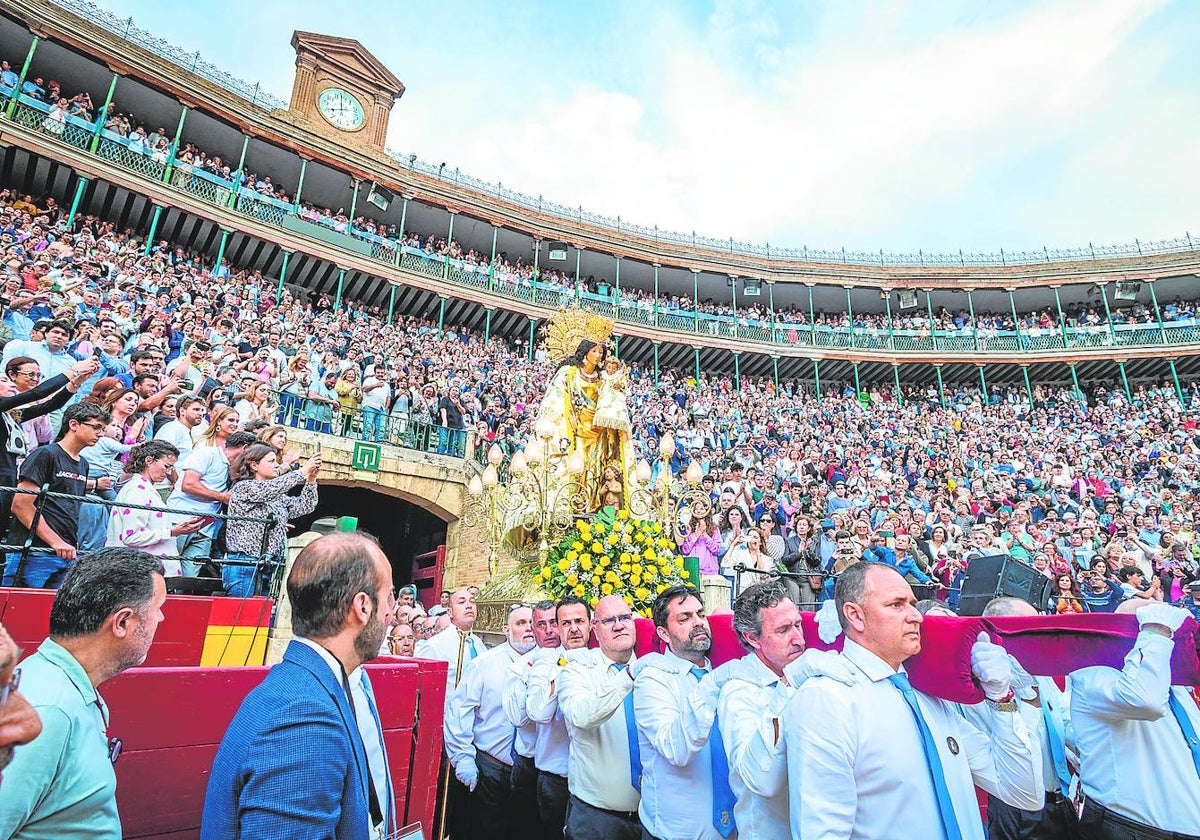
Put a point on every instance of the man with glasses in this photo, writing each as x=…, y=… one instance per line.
x=59, y=466
x=102, y=622
x=19, y=723
x=595, y=694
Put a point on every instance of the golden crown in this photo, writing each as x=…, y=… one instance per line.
x=567, y=327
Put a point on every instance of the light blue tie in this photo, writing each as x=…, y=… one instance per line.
x=471, y=647
x=723, y=799
x=945, y=805
x=1057, y=751
x=635, y=749
x=387, y=776
x=1189, y=731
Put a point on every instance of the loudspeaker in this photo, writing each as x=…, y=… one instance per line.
x=1127, y=290
x=998, y=574
x=380, y=196
x=908, y=298
x=557, y=251
x=751, y=287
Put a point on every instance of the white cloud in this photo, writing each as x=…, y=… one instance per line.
x=863, y=138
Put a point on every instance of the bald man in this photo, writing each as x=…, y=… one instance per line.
x=19, y=723
x=455, y=638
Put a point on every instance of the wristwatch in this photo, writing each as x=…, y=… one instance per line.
x=1007, y=703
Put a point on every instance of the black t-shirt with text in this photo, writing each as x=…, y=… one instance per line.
x=50, y=464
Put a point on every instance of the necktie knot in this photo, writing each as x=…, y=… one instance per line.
x=698, y=673
x=900, y=680
x=620, y=667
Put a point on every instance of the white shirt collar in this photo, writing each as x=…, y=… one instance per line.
x=875, y=668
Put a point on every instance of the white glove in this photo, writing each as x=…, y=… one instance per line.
x=990, y=665
x=643, y=662
x=467, y=771
x=829, y=626
x=1164, y=614
x=820, y=663
x=722, y=673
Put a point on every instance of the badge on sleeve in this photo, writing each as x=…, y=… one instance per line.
x=952, y=745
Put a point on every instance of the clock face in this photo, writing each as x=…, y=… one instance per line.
x=340, y=108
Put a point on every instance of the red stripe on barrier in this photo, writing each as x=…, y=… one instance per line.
x=240, y=612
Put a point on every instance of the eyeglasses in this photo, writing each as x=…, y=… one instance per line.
x=614, y=620
x=99, y=427
x=29, y=374
x=10, y=686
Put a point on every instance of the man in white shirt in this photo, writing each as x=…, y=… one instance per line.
x=1136, y=733
x=523, y=807
x=376, y=394
x=871, y=757
x=1044, y=708
x=189, y=414
x=686, y=793
x=479, y=738
x=751, y=707
x=595, y=693
x=550, y=751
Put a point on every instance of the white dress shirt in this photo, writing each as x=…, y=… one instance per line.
x=857, y=768
x=673, y=730
x=368, y=728
x=514, y=695
x=444, y=646
x=474, y=716
x=751, y=705
x=1133, y=756
x=552, y=747
x=591, y=695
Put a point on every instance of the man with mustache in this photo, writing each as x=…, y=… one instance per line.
x=304, y=755
x=479, y=739
x=675, y=701
x=19, y=723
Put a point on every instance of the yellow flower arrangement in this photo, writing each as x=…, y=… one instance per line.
x=613, y=553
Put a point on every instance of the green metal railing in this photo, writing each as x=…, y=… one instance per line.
x=395, y=429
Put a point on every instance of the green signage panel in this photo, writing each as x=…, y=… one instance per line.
x=366, y=456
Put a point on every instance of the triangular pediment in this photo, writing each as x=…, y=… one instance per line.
x=350, y=57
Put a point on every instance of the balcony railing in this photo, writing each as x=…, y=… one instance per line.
x=768, y=335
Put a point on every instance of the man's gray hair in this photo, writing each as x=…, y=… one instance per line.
x=748, y=607
x=852, y=585
x=1006, y=605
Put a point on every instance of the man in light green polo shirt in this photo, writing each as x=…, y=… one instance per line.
x=62, y=785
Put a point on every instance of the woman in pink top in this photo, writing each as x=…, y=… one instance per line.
x=704, y=543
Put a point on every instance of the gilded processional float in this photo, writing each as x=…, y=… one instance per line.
x=576, y=510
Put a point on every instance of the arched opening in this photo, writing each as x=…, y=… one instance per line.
x=404, y=529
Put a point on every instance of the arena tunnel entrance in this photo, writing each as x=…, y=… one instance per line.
x=403, y=529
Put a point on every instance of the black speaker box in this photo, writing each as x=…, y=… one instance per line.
x=998, y=574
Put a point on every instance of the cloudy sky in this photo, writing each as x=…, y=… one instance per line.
x=898, y=124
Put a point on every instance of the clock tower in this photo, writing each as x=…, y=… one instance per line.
x=342, y=89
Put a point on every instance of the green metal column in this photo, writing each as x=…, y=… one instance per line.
x=492, y=263
x=170, y=167
x=441, y=315
x=487, y=326
x=1012, y=302
x=1075, y=380
x=392, y=305
x=537, y=252
x=775, y=372
x=153, y=229
x=1125, y=381
x=812, y=324
x=532, y=326
x=695, y=300
x=112, y=88
x=404, y=216
x=354, y=207
x=896, y=376
x=656, y=363
x=983, y=384
x=1175, y=379
x=617, y=290
x=80, y=185
x=932, y=323
x=696, y=352
x=220, y=252
x=287, y=255
x=1162, y=329
x=771, y=314
x=1028, y=386
x=974, y=323
x=233, y=196
x=733, y=287
x=337, y=300
x=300, y=182
x=737, y=370
x=1062, y=320
x=891, y=325
x=616, y=345
x=449, y=239
x=578, y=257
x=941, y=385
x=850, y=312
x=1112, y=331
x=656, y=294
x=857, y=384
x=816, y=369
x=12, y=103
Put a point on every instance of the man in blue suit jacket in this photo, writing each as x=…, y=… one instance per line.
x=303, y=757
